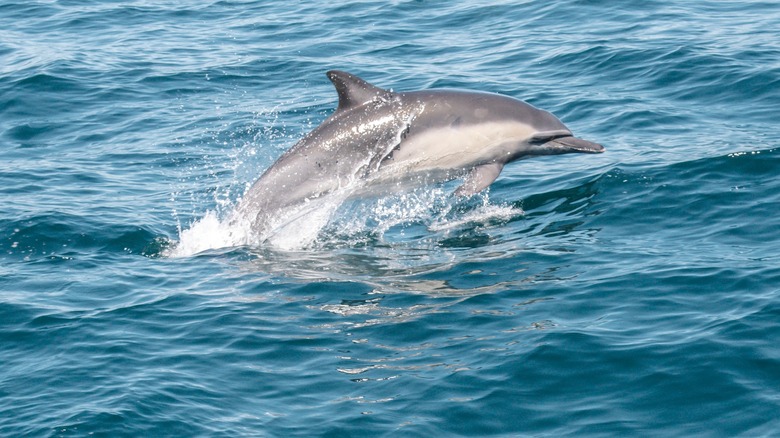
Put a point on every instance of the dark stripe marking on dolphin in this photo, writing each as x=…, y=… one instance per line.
x=390, y=140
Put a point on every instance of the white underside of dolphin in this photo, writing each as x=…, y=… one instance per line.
x=383, y=141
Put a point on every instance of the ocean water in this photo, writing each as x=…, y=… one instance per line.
x=634, y=292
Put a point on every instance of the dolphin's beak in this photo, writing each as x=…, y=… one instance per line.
x=574, y=144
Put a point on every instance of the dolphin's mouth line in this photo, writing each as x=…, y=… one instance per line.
x=544, y=137
x=574, y=144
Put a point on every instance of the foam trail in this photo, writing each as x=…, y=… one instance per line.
x=432, y=207
x=485, y=213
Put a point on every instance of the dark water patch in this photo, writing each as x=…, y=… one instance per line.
x=44, y=236
x=18, y=11
x=26, y=132
x=571, y=200
x=15, y=315
x=42, y=83
x=60, y=236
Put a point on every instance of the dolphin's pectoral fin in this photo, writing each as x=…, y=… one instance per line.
x=479, y=178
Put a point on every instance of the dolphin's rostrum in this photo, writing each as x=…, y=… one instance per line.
x=391, y=140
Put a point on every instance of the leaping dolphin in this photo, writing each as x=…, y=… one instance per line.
x=389, y=140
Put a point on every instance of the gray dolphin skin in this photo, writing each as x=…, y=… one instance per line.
x=388, y=141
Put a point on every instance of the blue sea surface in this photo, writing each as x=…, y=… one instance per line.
x=636, y=292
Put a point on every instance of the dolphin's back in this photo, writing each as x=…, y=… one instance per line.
x=457, y=107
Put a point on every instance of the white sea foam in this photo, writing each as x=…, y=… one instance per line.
x=293, y=229
x=209, y=232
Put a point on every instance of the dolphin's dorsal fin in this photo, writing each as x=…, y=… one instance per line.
x=352, y=90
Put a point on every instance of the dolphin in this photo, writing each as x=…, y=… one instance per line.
x=381, y=140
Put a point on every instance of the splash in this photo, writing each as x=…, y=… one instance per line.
x=209, y=232
x=293, y=229
x=426, y=213
x=337, y=219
